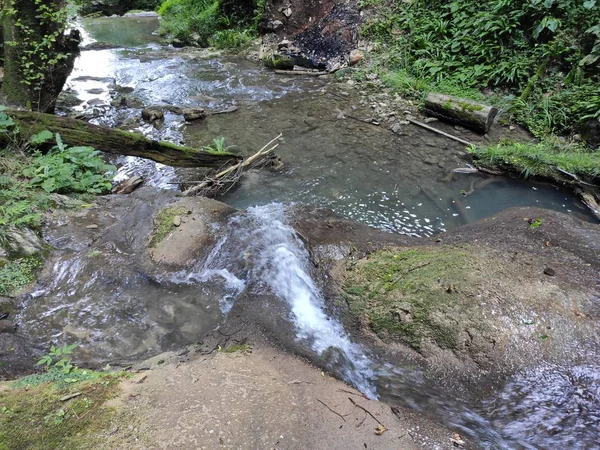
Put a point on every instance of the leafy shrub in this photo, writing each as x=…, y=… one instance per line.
x=220, y=23
x=183, y=18
x=500, y=44
x=70, y=170
x=225, y=39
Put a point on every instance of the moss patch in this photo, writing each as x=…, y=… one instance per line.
x=16, y=274
x=238, y=348
x=411, y=295
x=163, y=223
x=37, y=418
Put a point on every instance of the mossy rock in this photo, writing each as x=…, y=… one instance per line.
x=408, y=295
x=41, y=417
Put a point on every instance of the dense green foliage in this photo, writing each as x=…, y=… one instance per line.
x=69, y=170
x=109, y=7
x=28, y=178
x=541, y=56
x=219, y=23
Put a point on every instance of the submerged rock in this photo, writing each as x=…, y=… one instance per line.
x=153, y=114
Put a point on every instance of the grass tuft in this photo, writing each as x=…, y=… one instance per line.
x=540, y=160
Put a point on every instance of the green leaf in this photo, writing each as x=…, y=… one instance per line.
x=59, y=143
x=589, y=4
x=45, y=360
x=41, y=137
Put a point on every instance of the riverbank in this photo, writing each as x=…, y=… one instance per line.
x=245, y=393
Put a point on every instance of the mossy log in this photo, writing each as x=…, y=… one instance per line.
x=78, y=133
x=473, y=115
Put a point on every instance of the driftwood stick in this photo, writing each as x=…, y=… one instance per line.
x=366, y=410
x=335, y=412
x=70, y=396
x=299, y=72
x=231, y=174
x=440, y=132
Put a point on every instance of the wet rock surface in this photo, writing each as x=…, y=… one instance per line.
x=495, y=310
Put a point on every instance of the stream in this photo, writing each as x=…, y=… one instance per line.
x=396, y=183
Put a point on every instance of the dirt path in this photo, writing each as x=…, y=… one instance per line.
x=258, y=398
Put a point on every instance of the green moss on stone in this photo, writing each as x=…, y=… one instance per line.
x=35, y=418
x=410, y=295
x=163, y=223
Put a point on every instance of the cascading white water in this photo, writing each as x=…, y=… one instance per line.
x=263, y=252
x=281, y=261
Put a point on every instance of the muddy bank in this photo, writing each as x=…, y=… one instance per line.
x=238, y=390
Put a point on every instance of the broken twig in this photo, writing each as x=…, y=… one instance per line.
x=226, y=178
x=366, y=410
x=335, y=412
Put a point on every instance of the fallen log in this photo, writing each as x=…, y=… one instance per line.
x=473, y=115
x=224, y=180
x=78, y=133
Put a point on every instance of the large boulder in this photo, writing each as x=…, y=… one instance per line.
x=186, y=231
x=483, y=300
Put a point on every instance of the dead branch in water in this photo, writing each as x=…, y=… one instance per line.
x=224, y=180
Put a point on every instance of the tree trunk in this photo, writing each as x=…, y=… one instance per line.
x=467, y=113
x=78, y=133
x=38, y=56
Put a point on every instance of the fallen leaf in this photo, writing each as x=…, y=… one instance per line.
x=380, y=430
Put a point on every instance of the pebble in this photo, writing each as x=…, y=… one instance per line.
x=92, y=227
x=549, y=271
x=177, y=221
x=430, y=119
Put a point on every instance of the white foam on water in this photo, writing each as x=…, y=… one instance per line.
x=281, y=262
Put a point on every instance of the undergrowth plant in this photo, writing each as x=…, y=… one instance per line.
x=70, y=170
x=541, y=57
x=58, y=358
x=223, y=24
